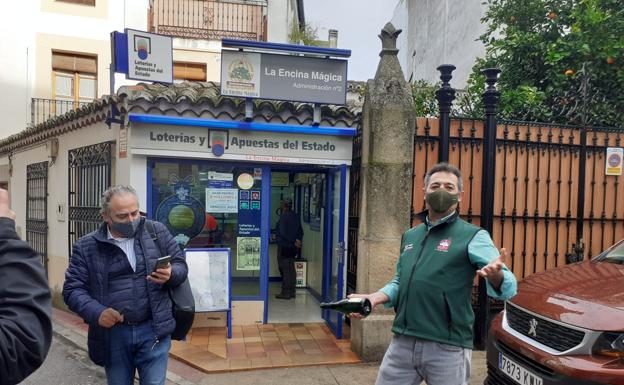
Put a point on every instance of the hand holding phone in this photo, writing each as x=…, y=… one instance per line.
x=161, y=277
x=162, y=262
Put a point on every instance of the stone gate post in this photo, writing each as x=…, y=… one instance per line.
x=388, y=122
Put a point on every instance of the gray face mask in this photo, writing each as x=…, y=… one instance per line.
x=440, y=201
x=126, y=229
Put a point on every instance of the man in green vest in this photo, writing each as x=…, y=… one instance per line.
x=431, y=291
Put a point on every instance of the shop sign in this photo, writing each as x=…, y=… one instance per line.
x=245, y=145
x=283, y=77
x=143, y=56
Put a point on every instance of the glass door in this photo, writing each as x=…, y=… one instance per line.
x=335, y=247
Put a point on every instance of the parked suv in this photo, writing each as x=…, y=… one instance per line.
x=565, y=326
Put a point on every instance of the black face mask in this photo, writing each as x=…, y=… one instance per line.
x=126, y=229
x=440, y=201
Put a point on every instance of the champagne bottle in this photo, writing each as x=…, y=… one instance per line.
x=350, y=305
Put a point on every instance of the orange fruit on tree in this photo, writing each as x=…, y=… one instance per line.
x=569, y=72
x=551, y=15
x=610, y=60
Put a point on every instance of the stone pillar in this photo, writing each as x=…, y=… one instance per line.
x=388, y=122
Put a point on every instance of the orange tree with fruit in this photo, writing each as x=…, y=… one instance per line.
x=555, y=56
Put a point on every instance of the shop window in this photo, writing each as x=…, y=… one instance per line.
x=211, y=205
x=74, y=80
x=193, y=72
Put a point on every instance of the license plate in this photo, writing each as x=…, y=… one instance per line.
x=517, y=372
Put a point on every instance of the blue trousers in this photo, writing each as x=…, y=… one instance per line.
x=137, y=348
x=410, y=360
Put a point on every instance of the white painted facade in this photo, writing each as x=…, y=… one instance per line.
x=439, y=32
x=281, y=15
x=57, y=189
x=35, y=27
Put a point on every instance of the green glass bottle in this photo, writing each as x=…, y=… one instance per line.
x=350, y=305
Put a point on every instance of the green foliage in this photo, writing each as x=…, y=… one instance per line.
x=308, y=35
x=561, y=60
x=423, y=94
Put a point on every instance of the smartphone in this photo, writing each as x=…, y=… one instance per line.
x=162, y=262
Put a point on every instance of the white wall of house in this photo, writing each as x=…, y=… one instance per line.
x=57, y=190
x=439, y=32
x=35, y=27
x=281, y=15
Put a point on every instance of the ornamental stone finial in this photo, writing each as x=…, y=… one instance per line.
x=388, y=38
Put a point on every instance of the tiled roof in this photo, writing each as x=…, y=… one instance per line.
x=190, y=99
x=70, y=121
x=205, y=100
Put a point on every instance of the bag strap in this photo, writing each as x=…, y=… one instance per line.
x=149, y=225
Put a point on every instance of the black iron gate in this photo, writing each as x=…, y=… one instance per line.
x=354, y=211
x=89, y=176
x=37, y=209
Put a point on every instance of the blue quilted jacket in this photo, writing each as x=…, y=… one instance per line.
x=87, y=284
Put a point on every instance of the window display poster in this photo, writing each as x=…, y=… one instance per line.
x=209, y=276
x=248, y=253
x=249, y=213
x=221, y=200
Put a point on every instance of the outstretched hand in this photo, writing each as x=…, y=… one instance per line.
x=5, y=208
x=493, y=271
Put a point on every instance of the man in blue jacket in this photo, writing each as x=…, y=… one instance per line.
x=112, y=283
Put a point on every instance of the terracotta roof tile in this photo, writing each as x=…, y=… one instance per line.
x=190, y=99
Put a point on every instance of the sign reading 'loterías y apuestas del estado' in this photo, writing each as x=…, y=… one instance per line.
x=143, y=56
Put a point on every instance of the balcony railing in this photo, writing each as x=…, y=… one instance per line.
x=209, y=19
x=44, y=109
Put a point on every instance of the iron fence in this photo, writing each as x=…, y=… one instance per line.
x=89, y=176
x=210, y=19
x=37, y=209
x=44, y=109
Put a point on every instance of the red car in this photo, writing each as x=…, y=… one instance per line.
x=565, y=326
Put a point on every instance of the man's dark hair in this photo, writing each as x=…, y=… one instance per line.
x=445, y=167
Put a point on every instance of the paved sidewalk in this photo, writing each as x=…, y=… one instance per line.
x=73, y=331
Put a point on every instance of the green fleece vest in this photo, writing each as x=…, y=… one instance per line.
x=435, y=285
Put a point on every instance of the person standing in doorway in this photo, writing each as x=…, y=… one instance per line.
x=431, y=290
x=112, y=282
x=289, y=234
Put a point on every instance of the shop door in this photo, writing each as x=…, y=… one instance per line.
x=335, y=250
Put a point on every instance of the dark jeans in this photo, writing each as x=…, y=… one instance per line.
x=286, y=264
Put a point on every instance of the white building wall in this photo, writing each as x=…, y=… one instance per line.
x=20, y=59
x=281, y=15
x=440, y=32
x=400, y=21
x=57, y=191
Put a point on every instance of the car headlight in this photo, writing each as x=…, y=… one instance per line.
x=610, y=344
